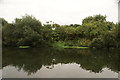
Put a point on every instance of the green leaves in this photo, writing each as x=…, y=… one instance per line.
x=94, y=30
x=95, y=18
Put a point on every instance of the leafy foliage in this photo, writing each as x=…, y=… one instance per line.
x=94, y=31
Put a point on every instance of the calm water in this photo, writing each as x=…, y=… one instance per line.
x=66, y=63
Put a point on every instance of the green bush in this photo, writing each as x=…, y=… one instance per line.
x=97, y=43
x=59, y=44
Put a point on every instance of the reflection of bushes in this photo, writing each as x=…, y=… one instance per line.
x=31, y=60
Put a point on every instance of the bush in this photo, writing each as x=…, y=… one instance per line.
x=97, y=43
x=109, y=40
x=59, y=44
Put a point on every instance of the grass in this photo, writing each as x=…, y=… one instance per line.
x=76, y=47
x=61, y=45
x=24, y=47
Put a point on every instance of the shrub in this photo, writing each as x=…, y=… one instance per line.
x=96, y=43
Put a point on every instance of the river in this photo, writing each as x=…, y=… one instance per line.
x=60, y=63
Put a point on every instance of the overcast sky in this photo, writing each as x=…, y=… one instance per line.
x=59, y=11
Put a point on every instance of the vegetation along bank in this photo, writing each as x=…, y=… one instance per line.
x=94, y=32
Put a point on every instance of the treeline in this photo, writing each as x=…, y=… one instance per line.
x=94, y=32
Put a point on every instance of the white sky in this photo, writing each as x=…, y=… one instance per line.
x=59, y=11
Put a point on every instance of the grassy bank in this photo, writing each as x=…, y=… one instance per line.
x=76, y=47
x=24, y=47
x=62, y=45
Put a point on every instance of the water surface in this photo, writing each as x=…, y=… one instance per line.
x=65, y=63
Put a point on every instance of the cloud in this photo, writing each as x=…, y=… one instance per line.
x=59, y=11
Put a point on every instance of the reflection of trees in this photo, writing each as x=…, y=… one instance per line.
x=31, y=60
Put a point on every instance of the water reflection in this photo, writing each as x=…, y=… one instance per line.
x=32, y=60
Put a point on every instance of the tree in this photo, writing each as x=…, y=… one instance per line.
x=27, y=31
x=94, y=19
x=117, y=34
x=3, y=22
x=7, y=35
